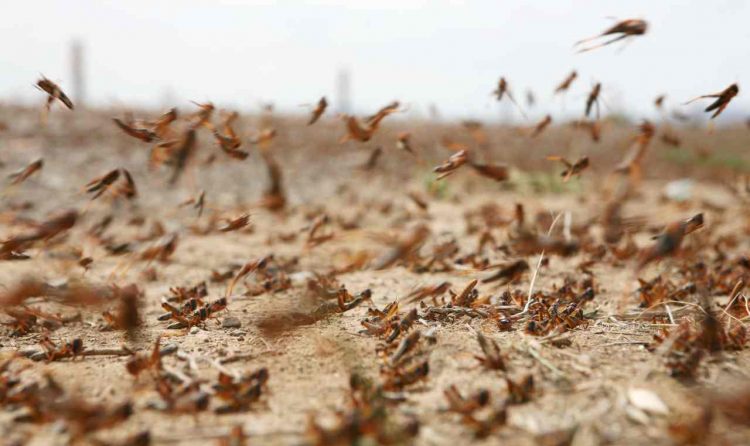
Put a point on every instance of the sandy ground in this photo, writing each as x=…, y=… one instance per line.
x=581, y=388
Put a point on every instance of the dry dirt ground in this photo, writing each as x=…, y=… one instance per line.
x=584, y=386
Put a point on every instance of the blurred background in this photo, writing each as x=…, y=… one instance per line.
x=441, y=55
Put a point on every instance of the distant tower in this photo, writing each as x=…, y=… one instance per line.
x=76, y=73
x=343, y=91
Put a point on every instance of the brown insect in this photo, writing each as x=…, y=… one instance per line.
x=419, y=200
x=594, y=128
x=543, y=124
x=566, y=83
x=521, y=391
x=433, y=291
x=186, y=309
x=163, y=152
x=318, y=111
x=363, y=132
x=82, y=417
x=631, y=164
x=240, y=393
x=72, y=294
x=127, y=315
x=139, y=362
x=187, y=399
x=229, y=142
x=467, y=296
x=161, y=125
x=403, y=142
x=671, y=139
x=264, y=137
x=44, y=231
x=497, y=172
x=403, y=249
x=465, y=406
x=346, y=302
x=54, y=92
x=127, y=189
x=668, y=243
x=406, y=345
x=372, y=160
x=406, y=377
x=571, y=168
x=659, y=101
x=593, y=99
x=198, y=202
x=235, y=224
x=183, y=153
x=246, y=269
x=356, y=131
x=274, y=197
x=722, y=99
x=142, y=134
x=383, y=112
x=455, y=161
x=26, y=172
x=508, y=273
x=70, y=349
x=368, y=420
x=23, y=321
x=314, y=237
x=202, y=117
x=493, y=358
x=382, y=321
x=483, y=427
x=403, y=326
x=625, y=29
x=503, y=89
x=198, y=316
x=99, y=185
x=163, y=250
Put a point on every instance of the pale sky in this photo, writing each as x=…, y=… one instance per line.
x=451, y=53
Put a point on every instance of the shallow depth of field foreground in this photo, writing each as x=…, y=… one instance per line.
x=210, y=275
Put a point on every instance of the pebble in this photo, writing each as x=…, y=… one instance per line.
x=231, y=322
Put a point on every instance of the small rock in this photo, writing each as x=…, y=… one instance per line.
x=679, y=190
x=231, y=322
x=194, y=330
x=301, y=277
x=647, y=401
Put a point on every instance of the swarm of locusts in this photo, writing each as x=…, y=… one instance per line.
x=389, y=311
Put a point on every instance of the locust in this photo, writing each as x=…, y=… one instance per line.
x=318, y=111
x=626, y=29
x=566, y=83
x=54, y=92
x=543, y=124
x=722, y=99
x=503, y=90
x=593, y=99
x=668, y=242
x=571, y=169
x=23, y=174
x=142, y=134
